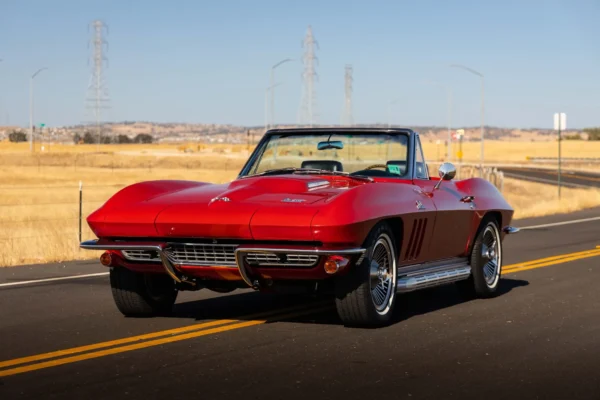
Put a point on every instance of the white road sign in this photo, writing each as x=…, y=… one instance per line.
x=560, y=121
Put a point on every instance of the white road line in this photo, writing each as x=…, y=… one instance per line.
x=575, y=221
x=63, y=278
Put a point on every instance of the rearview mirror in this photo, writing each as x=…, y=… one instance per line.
x=336, y=144
x=446, y=172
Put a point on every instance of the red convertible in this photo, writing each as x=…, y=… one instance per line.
x=351, y=210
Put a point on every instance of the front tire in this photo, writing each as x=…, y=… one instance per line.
x=486, y=262
x=142, y=295
x=366, y=295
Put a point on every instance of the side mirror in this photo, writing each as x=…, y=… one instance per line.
x=446, y=172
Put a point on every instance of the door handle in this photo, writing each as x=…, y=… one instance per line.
x=468, y=199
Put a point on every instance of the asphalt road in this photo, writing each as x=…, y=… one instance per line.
x=569, y=179
x=540, y=338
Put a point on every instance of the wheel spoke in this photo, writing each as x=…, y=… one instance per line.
x=382, y=274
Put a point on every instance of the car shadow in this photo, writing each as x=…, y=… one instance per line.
x=319, y=309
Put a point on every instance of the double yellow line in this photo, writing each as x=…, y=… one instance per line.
x=546, y=262
x=75, y=354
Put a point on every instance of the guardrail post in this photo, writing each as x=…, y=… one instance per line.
x=80, y=208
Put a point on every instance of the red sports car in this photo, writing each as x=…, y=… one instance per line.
x=352, y=210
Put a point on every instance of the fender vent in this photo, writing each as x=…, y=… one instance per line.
x=413, y=250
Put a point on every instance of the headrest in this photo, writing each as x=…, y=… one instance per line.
x=396, y=167
x=327, y=165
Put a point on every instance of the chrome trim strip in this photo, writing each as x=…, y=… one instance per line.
x=412, y=283
x=426, y=275
x=317, y=184
x=261, y=259
x=510, y=229
x=432, y=266
x=93, y=245
x=241, y=250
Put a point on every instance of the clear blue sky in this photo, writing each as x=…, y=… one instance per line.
x=208, y=61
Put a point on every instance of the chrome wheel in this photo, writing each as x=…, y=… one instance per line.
x=491, y=255
x=383, y=274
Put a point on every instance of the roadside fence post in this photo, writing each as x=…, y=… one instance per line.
x=80, y=208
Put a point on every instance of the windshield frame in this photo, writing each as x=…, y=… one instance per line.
x=262, y=144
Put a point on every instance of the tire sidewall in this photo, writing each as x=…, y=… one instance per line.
x=356, y=282
x=478, y=277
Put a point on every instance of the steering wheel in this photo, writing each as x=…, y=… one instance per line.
x=376, y=166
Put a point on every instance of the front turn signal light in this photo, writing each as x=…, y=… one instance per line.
x=334, y=263
x=106, y=259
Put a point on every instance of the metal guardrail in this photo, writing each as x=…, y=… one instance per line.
x=590, y=160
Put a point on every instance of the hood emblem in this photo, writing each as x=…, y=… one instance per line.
x=225, y=199
x=288, y=200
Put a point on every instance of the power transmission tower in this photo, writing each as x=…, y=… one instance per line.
x=347, y=117
x=97, y=94
x=308, y=103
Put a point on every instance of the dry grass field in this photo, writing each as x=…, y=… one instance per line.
x=39, y=205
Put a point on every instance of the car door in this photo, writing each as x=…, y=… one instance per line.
x=453, y=216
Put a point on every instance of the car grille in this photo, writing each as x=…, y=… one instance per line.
x=281, y=260
x=202, y=254
x=141, y=255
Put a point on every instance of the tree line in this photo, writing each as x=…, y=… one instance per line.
x=593, y=133
x=17, y=136
x=92, y=138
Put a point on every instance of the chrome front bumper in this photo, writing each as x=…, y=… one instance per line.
x=172, y=269
x=159, y=248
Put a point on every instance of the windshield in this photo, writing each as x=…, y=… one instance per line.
x=336, y=152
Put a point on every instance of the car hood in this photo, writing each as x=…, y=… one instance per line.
x=254, y=208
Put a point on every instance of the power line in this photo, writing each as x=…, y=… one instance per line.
x=308, y=103
x=347, y=115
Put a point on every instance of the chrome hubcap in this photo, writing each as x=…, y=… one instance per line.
x=383, y=274
x=490, y=253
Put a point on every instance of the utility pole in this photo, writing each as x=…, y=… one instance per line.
x=479, y=74
x=97, y=97
x=272, y=85
x=31, y=107
x=308, y=103
x=347, y=117
x=268, y=92
x=448, y=91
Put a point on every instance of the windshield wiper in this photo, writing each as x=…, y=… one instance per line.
x=307, y=171
x=328, y=172
x=279, y=171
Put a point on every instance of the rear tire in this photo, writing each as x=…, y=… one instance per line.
x=486, y=262
x=142, y=295
x=366, y=295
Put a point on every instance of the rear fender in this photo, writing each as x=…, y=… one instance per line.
x=488, y=200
